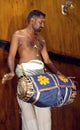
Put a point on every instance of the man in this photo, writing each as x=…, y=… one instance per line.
x=32, y=51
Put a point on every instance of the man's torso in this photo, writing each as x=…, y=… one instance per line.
x=29, y=47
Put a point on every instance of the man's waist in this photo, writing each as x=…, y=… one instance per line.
x=30, y=68
x=28, y=59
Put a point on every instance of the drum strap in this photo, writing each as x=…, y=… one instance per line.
x=63, y=100
x=22, y=70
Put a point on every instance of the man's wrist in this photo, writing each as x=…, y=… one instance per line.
x=58, y=72
x=12, y=72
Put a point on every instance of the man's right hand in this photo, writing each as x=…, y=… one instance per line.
x=8, y=76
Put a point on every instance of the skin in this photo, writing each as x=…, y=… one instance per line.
x=30, y=46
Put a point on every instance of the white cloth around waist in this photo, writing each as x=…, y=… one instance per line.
x=30, y=68
x=33, y=65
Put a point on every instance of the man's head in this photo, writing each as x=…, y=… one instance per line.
x=36, y=18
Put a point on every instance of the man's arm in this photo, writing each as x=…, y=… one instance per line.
x=11, y=59
x=11, y=56
x=48, y=61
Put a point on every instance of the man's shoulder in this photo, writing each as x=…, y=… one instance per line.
x=19, y=33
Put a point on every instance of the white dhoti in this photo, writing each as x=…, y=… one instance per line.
x=33, y=118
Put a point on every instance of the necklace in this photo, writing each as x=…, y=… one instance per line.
x=35, y=42
x=35, y=47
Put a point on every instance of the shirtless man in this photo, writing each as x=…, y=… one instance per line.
x=32, y=51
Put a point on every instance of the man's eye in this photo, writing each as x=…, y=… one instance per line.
x=40, y=22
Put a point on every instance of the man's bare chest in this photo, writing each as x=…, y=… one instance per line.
x=30, y=43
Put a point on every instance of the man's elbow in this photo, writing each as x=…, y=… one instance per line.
x=48, y=61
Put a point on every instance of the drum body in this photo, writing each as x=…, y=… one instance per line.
x=47, y=90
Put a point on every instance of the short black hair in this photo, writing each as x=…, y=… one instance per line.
x=36, y=13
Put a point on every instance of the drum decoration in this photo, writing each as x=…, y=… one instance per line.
x=46, y=90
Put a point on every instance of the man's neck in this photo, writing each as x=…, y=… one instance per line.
x=31, y=32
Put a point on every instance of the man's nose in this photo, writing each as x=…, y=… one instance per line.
x=42, y=25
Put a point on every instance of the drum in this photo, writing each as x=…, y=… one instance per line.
x=46, y=90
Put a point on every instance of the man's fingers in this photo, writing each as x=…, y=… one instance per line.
x=5, y=78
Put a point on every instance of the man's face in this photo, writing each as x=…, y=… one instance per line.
x=38, y=23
